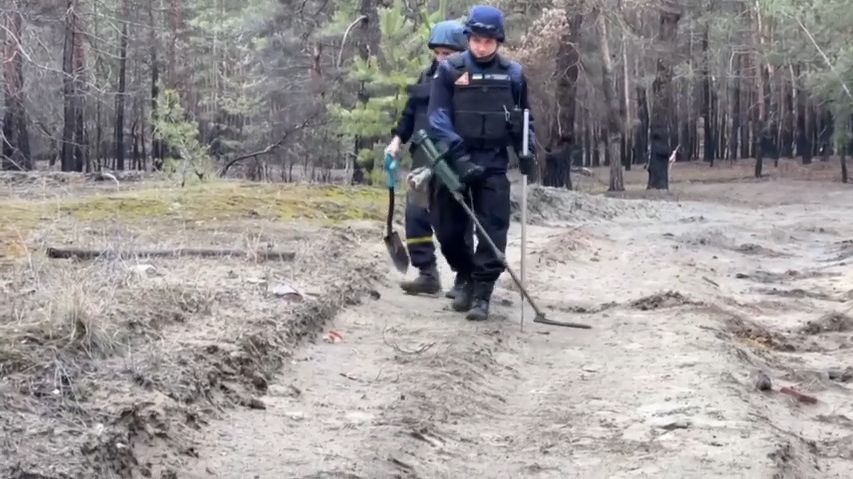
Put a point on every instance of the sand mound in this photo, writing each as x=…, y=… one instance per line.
x=546, y=205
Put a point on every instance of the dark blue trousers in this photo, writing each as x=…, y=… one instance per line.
x=419, y=235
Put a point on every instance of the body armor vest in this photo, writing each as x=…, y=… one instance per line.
x=485, y=112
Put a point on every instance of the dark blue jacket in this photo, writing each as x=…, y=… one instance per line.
x=406, y=125
x=441, y=111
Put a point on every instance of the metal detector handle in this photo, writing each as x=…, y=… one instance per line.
x=440, y=168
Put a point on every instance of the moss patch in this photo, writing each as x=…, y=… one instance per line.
x=201, y=203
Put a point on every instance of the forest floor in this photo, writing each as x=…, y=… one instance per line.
x=197, y=368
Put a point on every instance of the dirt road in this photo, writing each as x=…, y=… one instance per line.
x=687, y=299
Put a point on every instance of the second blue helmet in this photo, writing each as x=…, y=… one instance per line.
x=449, y=34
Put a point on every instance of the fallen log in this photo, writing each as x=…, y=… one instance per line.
x=264, y=255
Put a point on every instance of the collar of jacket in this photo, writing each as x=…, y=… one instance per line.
x=483, y=62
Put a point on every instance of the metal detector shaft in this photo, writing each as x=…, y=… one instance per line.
x=525, y=150
x=540, y=316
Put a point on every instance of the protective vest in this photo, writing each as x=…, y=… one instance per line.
x=419, y=92
x=485, y=110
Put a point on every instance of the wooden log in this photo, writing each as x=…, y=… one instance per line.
x=264, y=255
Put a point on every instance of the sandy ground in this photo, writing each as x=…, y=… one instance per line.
x=689, y=299
x=187, y=367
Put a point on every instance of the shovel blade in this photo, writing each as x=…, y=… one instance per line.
x=397, y=251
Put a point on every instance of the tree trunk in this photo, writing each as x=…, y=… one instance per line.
x=567, y=62
x=825, y=134
x=662, y=109
x=804, y=147
x=626, y=107
x=708, y=100
x=16, y=139
x=787, y=128
x=120, y=94
x=368, y=44
x=72, y=67
x=762, y=133
x=156, y=143
x=734, y=134
x=745, y=100
x=641, y=136
x=613, y=129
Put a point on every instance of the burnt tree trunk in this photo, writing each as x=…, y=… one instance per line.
x=72, y=66
x=787, y=128
x=662, y=109
x=804, y=147
x=157, y=147
x=558, y=172
x=120, y=94
x=16, y=139
x=641, y=136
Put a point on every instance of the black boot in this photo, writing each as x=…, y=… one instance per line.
x=462, y=301
x=457, y=287
x=427, y=282
x=480, y=307
x=479, y=311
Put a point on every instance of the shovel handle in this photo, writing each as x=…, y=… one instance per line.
x=390, y=218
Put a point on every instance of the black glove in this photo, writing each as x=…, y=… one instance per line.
x=461, y=163
x=526, y=163
x=467, y=170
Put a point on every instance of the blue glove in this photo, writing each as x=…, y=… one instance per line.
x=390, y=171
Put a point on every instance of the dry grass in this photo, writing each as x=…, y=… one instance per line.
x=52, y=311
x=137, y=346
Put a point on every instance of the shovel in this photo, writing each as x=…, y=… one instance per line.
x=396, y=248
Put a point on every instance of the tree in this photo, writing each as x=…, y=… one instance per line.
x=610, y=106
x=122, y=90
x=73, y=68
x=384, y=80
x=662, y=109
x=558, y=172
x=15, y=139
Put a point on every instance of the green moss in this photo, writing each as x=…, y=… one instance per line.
x=207, y=202
x=107, y=207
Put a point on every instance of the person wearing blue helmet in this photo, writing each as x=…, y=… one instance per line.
x=446, y=38
x=476, y=112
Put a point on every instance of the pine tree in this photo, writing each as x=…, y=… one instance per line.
x=404, y=56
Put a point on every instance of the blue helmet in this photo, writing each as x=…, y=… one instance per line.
x=449, y=34
x=485, y=21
